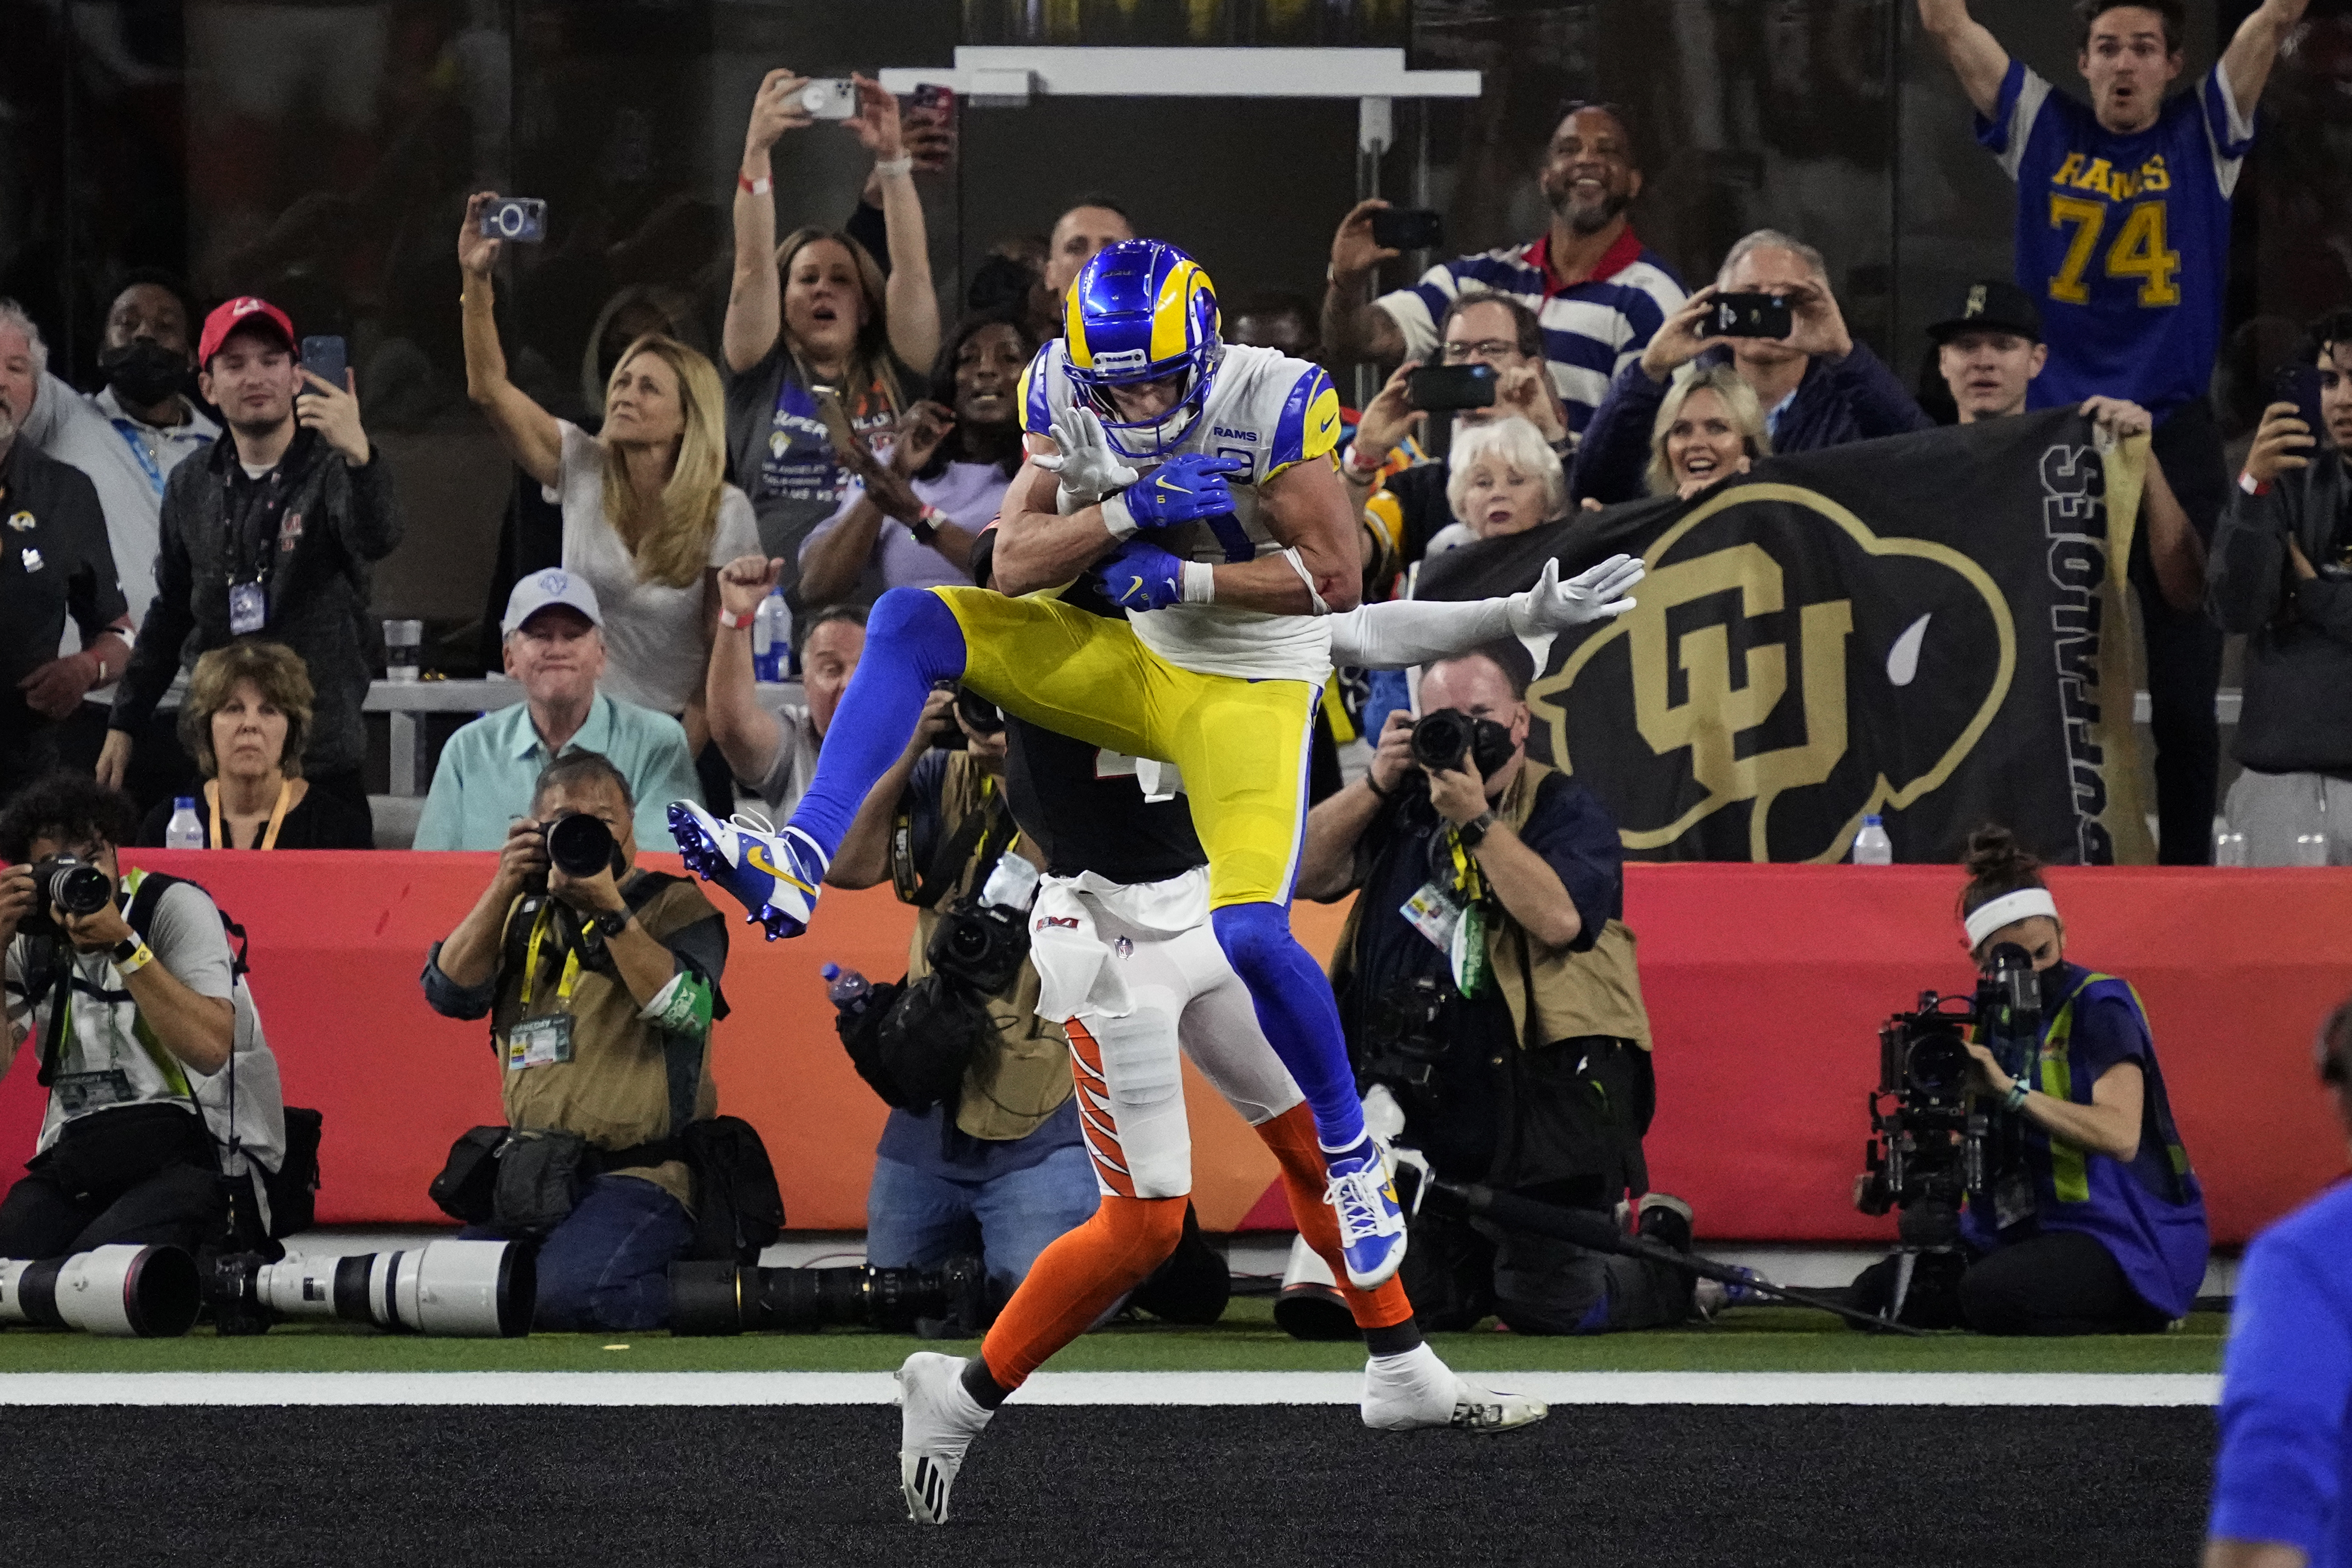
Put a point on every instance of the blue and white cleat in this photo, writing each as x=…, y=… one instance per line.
x=774, y=874
x=1371, y=1221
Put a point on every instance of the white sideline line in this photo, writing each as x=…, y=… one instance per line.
x=1566, y=1388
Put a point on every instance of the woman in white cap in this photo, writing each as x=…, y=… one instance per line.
x=2103, y=1229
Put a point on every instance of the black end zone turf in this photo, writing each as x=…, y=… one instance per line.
x=1593, y=1487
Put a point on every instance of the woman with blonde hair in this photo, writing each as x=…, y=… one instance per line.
x=648, y=515
x=1709, y=427
x=246, y=717
x=815, y=338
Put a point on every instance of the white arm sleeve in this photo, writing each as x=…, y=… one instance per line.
x=1400, y=633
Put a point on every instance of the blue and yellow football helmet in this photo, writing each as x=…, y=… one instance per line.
x=1141, y=309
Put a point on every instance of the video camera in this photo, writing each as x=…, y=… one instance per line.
x=1933, y=1143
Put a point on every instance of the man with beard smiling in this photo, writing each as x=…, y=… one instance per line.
x=1598, y=292
x=128, y=439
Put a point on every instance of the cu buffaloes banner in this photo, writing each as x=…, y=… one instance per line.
x=1935, y=627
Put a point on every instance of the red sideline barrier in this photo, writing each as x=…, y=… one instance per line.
x=1765, y=985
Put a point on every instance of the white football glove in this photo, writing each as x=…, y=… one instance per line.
x=1552, y=606
x=1085, y=465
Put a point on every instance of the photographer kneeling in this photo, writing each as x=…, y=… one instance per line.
x=983, y=1143
x=2092, y=1221
x=132, y=1147
x=1486, y=979
x=601, y=982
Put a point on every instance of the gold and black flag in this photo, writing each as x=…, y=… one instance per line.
x=1935, y=627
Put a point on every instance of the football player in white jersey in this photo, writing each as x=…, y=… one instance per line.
x=1210, y=509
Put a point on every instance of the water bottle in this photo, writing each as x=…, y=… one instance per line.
x=772, y=638
x=185, y=830
x=1871, y=845
x=845, y=988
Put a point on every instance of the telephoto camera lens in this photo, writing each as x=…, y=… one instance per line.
x=740, y=1298
x=122, y=1291
x=1441, y=740
x=461, y=1289
x=579, y=845
x=71, y=883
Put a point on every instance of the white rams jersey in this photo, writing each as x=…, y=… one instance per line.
x=1272, y=412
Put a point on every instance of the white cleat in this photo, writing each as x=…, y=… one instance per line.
x=1417, y=1392
x=937, y=1422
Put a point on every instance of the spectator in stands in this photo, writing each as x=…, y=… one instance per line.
x=1503, y=478
x=1001, y=1157
x=2281, y=573
x=128, y=437
x=2103, y=1231
x=602, y=1025
x=139, y=1110
x=2287, y=1381
x=1598, y=292
x=275, y=531
x=1086, y=225
x=1277, y=319
x=1526, y=1065
x=2123, y=235
x=1990, y=353
x=554, y=647
x=1402, y=492
x=816, y=313
x=773, y=750
x=1818, y=386
x=1709, y=429
x=244, y=722
x=910, y=518
x=55, y=564
x=648, y=515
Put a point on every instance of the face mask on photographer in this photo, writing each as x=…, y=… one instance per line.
x=143, y=372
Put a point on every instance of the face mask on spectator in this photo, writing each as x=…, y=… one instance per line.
x=143, y=372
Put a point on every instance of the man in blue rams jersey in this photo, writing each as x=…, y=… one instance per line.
x=2123, y=239
x=1195, y=478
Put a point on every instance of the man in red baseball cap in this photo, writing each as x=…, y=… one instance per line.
x=271, y=535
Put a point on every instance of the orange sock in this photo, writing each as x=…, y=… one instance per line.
x=1075, y=1279
x=1291, y=1136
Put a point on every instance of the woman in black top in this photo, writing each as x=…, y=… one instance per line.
x=248, y=713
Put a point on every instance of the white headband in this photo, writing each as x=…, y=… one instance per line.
x=2007, y=909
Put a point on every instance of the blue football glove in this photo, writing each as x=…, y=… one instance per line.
x=1139, y=576
x=1189, y=487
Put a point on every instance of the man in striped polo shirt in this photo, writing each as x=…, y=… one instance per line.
x=1597, y=291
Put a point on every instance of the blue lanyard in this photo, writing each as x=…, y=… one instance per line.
x=129, y=434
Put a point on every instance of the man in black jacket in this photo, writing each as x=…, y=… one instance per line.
x=272, y=533
x=55, y=562
x=2281, y=572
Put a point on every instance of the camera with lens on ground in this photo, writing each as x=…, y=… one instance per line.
x=473, y=1290
x=1933, y=1143
x=723, y=1298
x=75, y=886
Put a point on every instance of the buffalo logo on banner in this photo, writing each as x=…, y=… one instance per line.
x=1898, y=627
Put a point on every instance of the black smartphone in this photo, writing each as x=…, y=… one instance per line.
x=1441, y=388
x=1750, y=316
x=326, y=358
x=1408, y=228
x=2299, y=384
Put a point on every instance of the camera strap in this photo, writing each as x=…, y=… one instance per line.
x=57, y=980
x=538, y=929
x=981, y=840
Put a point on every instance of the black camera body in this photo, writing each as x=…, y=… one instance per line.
x=980, y=945
x=581, y=845
x=1933, y=1143
x=1406, y=1036
x=75, y=885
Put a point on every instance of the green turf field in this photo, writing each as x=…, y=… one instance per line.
x=1749, y=1339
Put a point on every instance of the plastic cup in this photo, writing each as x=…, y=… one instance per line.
x=403, y=642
